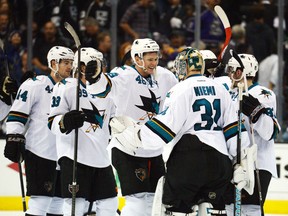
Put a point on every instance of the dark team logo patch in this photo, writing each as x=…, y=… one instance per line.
x=212, y=195
x=265, y=93
x=48, y=186
x=141, y=174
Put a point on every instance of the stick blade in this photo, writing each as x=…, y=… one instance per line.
x=228, y=32
x=222, y=16
x=73, y=33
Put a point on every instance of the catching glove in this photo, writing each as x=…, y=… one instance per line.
x=93, y=71
x=71, y=120
x=243, y=176
x=15, y=147
x=8, y=88
x=252, y=108
x=126, y=131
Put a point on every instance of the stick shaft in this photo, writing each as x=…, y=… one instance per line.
x=74, y=186
x=22, y=187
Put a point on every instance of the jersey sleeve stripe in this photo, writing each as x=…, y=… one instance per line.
x=17, y=117
x=161, y=130
x=231, y=130
x=108, y=89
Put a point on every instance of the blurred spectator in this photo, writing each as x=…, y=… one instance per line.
x=260, y=35
x=188, y=23
x=42, y=10
x=65, y=11
x=92, y=29
x=14, y=50
x=238, y=43
x=140, y=20
x=268, y=72
x=123, y=49
x=5, y=27
x=104, y=46
x=172, y=18
x=212, y=30
x=35, y=34
x=100, y=10
x=43, y=44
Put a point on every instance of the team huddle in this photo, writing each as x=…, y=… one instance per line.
x=220, y=124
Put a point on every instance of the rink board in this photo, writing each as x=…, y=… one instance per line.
x=276, y=203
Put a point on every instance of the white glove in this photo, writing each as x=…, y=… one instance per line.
x=126, y=131
x=175, y=22
x=243, y=176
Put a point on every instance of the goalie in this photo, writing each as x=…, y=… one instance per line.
x=201, y=122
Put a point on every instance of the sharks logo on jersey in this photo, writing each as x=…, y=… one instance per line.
x=150, y=105
x=94, y=117
x=265, y=93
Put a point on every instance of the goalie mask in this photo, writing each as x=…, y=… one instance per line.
x=57, y=53
x=210, y=62
x=188, y=60
x=88, y=54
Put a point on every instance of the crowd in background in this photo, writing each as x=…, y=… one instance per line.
x=171, y=23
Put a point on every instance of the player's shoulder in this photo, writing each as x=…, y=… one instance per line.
x=261, y=92
x=123, y=72
x=37, y=81
x=66, y=83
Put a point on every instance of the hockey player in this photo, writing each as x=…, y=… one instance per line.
x=29, y=112
x=259, y=109
x=137, y=91
x=201, y=122
x=95, y=176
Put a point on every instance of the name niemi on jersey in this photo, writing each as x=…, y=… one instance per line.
x=204, y=90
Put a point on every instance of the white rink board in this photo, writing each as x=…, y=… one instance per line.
x=278, y=190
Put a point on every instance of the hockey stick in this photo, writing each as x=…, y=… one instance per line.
x=19, y=163
x=237, y=193
x=74, y=187
x=223, y=17
x=257, y=175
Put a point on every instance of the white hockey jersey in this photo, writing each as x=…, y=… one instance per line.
x=197, y=106
x=93, y=138
x=265, y=129
x=30, y=111
x=4, y=110
x=135, y=96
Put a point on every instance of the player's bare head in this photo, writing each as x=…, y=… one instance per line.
x=187, y=62
x=145, y=54
x=58, y=55
x=210, y=62
x=88, y=54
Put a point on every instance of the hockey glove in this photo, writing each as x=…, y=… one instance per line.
x=15, y=147
x=93, y=71
x=71, y=120
x=243, y=176
x=8, y=88
x=127, y=132
x=252, y=108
